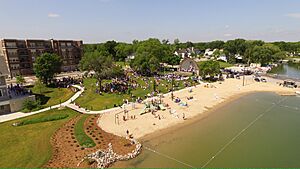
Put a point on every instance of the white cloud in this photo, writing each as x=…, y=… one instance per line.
x=227, y=35
x=53, y=15
x=227, y=26
x=293, y=15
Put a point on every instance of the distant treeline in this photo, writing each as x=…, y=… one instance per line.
x=163, y=51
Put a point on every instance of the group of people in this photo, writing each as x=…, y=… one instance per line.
x=65, y=82
x=17, y=90
x=118, y=85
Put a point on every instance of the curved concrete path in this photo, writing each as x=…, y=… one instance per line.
x=68, y=103
x=16, y=115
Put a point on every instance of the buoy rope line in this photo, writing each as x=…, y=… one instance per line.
x=231, y=141
x=166, y=156
x=241, y=132
x=281, y=105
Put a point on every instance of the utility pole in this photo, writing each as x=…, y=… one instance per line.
x=172, y=95
x=244, y=77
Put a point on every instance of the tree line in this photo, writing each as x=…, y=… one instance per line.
x=154, y=49
x=150, y=53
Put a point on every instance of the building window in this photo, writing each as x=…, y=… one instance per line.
x=32, y=44
x=1, y=107
x=1, y=94
x=11, y=44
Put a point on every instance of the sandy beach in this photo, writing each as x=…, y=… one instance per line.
x=204, y=99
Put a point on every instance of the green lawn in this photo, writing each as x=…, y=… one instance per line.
x=83, y=139
x=29, y=146
x=53, y=96
x=94, y=101
x=225, y=64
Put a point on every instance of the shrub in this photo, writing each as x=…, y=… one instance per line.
x=30, y=105
x=43, y=119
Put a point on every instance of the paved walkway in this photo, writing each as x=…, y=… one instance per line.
x=16, y=115
x=69, y=104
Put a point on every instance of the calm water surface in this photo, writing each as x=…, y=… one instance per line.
x=288, y=70
x=271, y=137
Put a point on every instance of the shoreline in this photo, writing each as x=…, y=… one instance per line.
x=196, y=118
x=206, y=101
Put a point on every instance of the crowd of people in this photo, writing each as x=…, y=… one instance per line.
x=66, y=82
x=17, y=90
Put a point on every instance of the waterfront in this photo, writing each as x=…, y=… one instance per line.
x=291, y=70
x=248, y=132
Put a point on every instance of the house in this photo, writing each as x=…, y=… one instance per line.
x=130, y=57
x=189, y=52
x=222, y=58
x=238, y=57
x=189, y=65
x=209, y=53
x=182, y=53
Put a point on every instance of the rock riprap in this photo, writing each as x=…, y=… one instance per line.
x=104, y=158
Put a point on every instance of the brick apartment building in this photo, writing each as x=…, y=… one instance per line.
x=17, y=56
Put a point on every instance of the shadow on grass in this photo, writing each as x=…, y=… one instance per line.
x=43, y=99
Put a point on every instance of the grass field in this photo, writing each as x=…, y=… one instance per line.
x=225, y=64
x=53, y=96
x=94, y=101
x=82, y=138
x=29, y=146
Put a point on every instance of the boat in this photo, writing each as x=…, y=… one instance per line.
x=298, y=93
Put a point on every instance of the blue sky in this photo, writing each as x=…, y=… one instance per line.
x=126, y=20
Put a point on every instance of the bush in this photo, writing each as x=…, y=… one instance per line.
x=42, y=119
x=30, y=105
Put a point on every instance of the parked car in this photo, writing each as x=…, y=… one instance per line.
x=263, y=80
x=257, y=79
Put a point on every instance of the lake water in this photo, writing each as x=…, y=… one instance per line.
x=288, y=70
x=251, y=131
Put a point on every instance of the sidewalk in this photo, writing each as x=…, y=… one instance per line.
x=16, y=115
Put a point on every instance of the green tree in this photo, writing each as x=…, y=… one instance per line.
x=149, y=54
x=266, y=54
x=40, y=87
x=20, y=80
x=154, y=65
x=209, y=68
x=172, y=59
x=145, y=64
x=233, y=47
x=110, y=48
x=46, y=66
x=250, y=44
x=102, y=65
x=30, y=105
x=123, y=50
x=218, y=44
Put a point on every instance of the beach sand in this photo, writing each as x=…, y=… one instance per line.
x=204, y=99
